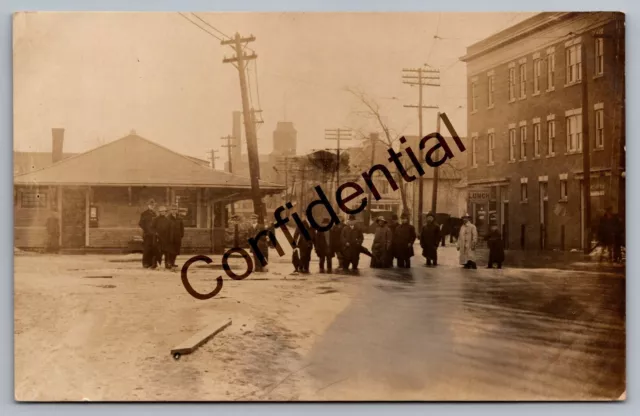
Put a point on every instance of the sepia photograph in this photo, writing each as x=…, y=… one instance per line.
x=319, y=207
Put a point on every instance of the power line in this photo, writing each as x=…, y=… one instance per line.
x=255, y=69
x=211, y=26
x=198, y=26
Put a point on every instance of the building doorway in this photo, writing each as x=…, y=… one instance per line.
x=544, y=214
x=73, y=217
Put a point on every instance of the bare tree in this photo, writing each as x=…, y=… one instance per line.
x=372, y=110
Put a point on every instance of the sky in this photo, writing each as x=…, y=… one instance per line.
x=101, y=75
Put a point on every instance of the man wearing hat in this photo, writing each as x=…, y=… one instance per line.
x=263, y=246
x=305, y=245
x=352, y=238
x=393, y=225
x=176, y=233
x=403, y=239
x=381, y=247
x=467, y=240
x=148, y=235
x=430, y=239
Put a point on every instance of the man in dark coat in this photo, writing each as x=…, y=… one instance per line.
x=176, y=234
x=304, y=245
x=352, y=238
x=393, y=225
x=403, y=239
x=381, y=247
x=53, y=233
x=496, y=248
x=148, y=235
x=162, y=226
x=263, y=244
x=336, y=243
x=324, y=246
x=429, y=240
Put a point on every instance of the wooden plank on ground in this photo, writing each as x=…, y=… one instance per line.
x=191, y=344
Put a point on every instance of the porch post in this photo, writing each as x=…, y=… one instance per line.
x=86, y=216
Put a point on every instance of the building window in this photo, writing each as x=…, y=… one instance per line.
x=574, y=61
x=512, y=84
x=536, y=140
x=512, y=145
x=33, y=199
x=564, y=195
x=474, y=98
x=574, y=133
x=599, y=56
x=187, y=201
x=551, y=136
x=491, y=145
x=523, y=142
x=551, y=71
x=490, y=90
x=524, y=192
x=537, y=71
x=474, y=149
x=523, y=80
x=600, y=128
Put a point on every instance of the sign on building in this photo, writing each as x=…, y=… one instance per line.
x=479, y=195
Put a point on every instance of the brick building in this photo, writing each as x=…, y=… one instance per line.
x=99, y=195
x=525, y=109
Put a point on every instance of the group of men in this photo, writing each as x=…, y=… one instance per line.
x=162, y=234
x=343, y=241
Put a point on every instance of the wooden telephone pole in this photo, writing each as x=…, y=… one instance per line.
x=436, y=175
x=337, y=135
x=419, y=77
x=213, y=158
x=240, y=62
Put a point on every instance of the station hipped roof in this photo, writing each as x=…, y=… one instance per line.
x=136, y=161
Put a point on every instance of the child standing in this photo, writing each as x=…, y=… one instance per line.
x=496, y=249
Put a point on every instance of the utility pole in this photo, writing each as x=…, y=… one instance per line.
x=434, y=196
x=420, y=77
x=373, y=139
x=213, y=158
x=337, y=135
x=240, y=61
x=229, y=145
x=586, y=153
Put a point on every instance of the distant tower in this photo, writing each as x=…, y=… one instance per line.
x=285, y=139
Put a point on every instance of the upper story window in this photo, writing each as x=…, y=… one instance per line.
x=551, y=137
x=491, y=146
x=523, y=80
x=551, y=69
x=490, y=89
x=537, y=74
x=474, y=150
x=599, y=56
x=523, y=142
x=512, y=83
x=474, y=96
x=512, y=144
x=599, y=113
x=574, y=131
x=536, y=139
x=574, y=63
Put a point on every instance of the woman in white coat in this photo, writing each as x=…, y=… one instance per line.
x=467, y=241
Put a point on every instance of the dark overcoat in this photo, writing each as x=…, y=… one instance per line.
x=403, y=239
x=429, y=239
x=496, y=247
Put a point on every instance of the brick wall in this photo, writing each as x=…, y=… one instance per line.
x=603, y=89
